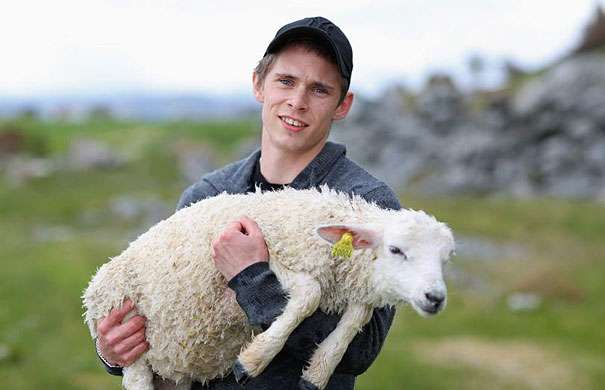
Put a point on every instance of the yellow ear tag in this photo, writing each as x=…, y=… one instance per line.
x=344, y=246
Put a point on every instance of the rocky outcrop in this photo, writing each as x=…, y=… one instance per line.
x=547, y=138
x=85, y=154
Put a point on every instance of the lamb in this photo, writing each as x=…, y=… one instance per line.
x=196, y=330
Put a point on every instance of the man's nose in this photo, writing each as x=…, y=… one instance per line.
x=298, y=100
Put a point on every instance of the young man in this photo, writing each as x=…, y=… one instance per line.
x=302, y=83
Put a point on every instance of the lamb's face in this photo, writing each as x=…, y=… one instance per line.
x=411, y=248
x=410, y=257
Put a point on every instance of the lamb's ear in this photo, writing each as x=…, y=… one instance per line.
x=364, y=236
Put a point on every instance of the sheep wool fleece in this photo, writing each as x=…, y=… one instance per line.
x=259, y=292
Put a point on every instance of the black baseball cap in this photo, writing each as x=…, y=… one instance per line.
x=324, y=30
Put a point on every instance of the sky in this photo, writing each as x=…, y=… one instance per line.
x=91, y=46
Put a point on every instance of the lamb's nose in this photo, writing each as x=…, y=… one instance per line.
x=435, y=298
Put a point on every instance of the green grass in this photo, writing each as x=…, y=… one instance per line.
x=46, y=344
x=54, y=137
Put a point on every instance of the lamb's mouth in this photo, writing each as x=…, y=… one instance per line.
x=426, y=309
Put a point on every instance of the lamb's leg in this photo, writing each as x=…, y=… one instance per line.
x=138, y=376
x=305, y=294
x=330, y=352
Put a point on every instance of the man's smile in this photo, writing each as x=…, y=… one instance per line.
x=292, y=124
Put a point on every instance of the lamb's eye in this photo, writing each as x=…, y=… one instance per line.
x=396, y=251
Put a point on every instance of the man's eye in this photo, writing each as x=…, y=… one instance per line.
x=320, y=91
x=396, y=251
x=286, y=82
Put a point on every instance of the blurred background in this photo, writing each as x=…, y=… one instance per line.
x=488, y=114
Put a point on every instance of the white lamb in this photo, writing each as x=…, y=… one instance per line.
x=196, y=331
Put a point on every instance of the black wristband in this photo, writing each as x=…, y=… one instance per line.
x=110, y=368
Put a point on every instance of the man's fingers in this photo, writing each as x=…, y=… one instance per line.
x=250, y=226
x=235, y=225
x=230, y=230
x=125, y=330
x=127, y=306
x=134, y=354
x=130, y=342
x=117, y=315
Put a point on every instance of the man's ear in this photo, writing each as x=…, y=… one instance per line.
x=343, y=108
x=257, y=88
x=364, y=236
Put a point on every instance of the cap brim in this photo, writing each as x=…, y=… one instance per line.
x=307, y=31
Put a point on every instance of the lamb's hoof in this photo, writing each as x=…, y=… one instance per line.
x=241, y=375
x=304, y=384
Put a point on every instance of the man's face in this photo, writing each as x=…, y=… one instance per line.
x=300, y=97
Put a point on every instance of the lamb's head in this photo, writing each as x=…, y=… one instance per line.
x=410, y=248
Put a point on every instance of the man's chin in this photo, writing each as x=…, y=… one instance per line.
x=295, y=144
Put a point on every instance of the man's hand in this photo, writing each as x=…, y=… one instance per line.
x=121, y=344
x=241, y=244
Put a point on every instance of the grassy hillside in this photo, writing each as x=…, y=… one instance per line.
x=478, y=342
x=56, y=230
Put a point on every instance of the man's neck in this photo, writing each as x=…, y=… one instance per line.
x=281, y=167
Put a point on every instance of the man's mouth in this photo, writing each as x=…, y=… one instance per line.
x=293, y=123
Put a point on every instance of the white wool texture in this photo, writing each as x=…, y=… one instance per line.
x=194, y=328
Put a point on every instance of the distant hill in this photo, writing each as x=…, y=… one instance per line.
x=147, y=106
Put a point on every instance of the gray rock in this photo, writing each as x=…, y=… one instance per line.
x=441, y=104
x=56, y=233
x=6, y=353
x=478, y=248
x=523, y=302
x=471, y=282
x=195, y=160
x=575, y=84
x=85, y=154
x=21, y=169
x=548, y=139
x=147, y=211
